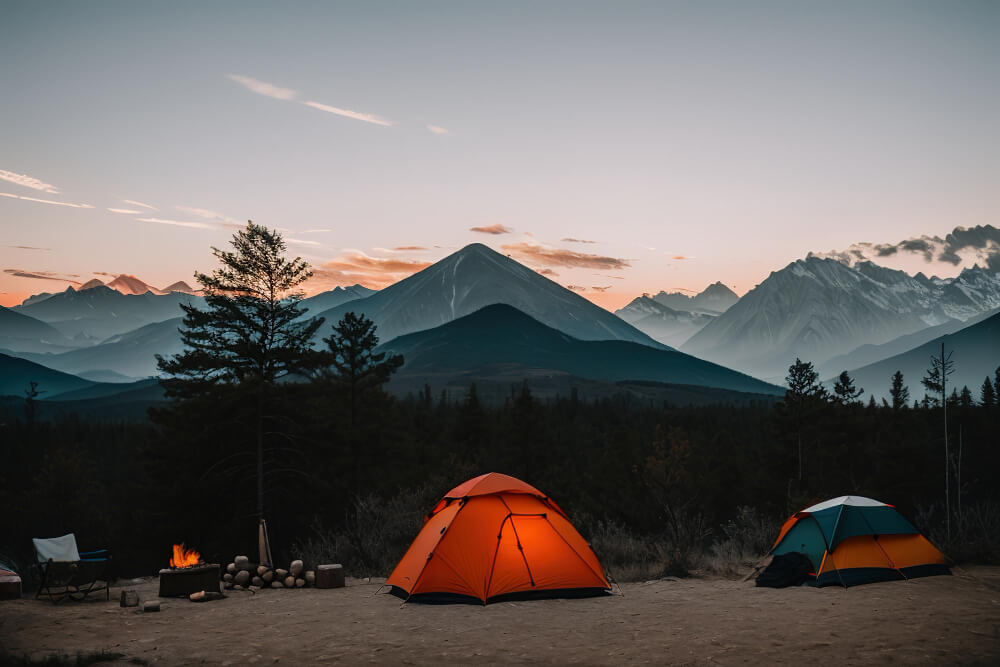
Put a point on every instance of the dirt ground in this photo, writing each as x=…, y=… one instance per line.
x=935, y=620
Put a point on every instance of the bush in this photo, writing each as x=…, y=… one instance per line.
x=625, y=554
x=975, y=531
x=746, y=539
x=375, y=534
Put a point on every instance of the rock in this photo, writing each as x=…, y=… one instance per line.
x=281, y=574
x=231, y=568
x=289, y=581
x=151, y=605
x=268, y=576
x=257, y=581
x=310, y=577
x=295, y=569
x=299, y=582
x=261, y=569
x=242, y=563
x=242, y=578
x=227, y=577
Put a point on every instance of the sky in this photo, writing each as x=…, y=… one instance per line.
x=617, y=147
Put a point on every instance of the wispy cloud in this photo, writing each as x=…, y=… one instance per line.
x=679, y=257
x=547, y=272
x=401, y=248
x=316, y=231
x=178, y=223
x=125, y=210
x=303, y=242
x=28, y=181
x=572, y=240
x=27, y=247
x=492, y=229
x=43, y=275
x=140, y=204
x=357, y=267
x=545, y=256
x=437, y=129
x=45, y=201
x=347, y=113
x=216, y=217
x=601, y=289
x=576, y=288
x=263, y=88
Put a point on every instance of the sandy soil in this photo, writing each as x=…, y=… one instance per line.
x=936, y=620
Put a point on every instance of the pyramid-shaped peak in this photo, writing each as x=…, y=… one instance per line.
x=179, y=286
x=92, y=283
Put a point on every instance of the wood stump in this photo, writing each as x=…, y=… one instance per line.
x=330, y=576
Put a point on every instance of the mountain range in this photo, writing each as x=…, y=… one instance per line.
x=713, y=300
x=839, y=317
x=818, y=308
x=95, y=313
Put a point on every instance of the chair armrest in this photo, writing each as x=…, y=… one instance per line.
x=97, y=553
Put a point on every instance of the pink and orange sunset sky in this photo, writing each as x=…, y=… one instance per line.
x=619, y=148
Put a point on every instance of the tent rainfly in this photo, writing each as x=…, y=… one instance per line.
x=496, y=538
x=855, y=540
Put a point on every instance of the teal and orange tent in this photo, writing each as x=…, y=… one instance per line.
x=496, y=538
x=855, y=540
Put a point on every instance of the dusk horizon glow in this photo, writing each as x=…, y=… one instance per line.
x=616, y=149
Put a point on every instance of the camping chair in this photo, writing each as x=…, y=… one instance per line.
x=67, y=573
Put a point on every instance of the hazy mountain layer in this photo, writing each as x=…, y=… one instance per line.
x=662, y=323
x=975, y=353
x=17, y=373
x=22, y=333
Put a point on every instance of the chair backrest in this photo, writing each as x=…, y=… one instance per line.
x=56, y=548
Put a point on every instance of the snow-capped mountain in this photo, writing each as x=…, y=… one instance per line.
x=713, y=300
x=475, y=277
x=818, y=308
x=662, y=323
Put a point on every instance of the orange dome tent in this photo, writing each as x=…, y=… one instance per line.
x=492, y=538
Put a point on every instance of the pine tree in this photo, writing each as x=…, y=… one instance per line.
x=249, y=336
x=844, y=391
x=936, y=380
x=987, y=396
x=30, y=394
x=356, y=367
x=899, y=392
x=804, y=394
x=965, y=398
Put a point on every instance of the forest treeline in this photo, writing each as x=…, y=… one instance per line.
x=189, y=475
x=261, y=423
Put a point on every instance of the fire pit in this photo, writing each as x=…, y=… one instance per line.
x=187, y=574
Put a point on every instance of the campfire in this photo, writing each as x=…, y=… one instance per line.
x=184, y=557
x=187, y=574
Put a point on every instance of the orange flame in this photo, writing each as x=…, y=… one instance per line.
x=184, y=557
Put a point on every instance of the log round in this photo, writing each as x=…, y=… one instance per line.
x=330, y=576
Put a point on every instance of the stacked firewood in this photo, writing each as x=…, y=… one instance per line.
x=242, y=575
